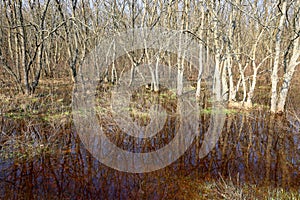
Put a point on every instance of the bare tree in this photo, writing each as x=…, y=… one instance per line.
x=274, y=76
x=278, y=103
x=29, y=40
x=290, y=64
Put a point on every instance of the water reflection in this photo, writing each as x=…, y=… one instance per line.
x=255, y=147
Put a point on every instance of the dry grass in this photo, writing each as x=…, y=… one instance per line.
x=192, y=188
x=227, y=189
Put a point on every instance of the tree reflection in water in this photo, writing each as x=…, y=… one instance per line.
x=255, y=147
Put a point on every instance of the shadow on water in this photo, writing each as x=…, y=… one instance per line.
x=47, y=160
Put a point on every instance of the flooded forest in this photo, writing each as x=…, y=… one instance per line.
x=149, y=99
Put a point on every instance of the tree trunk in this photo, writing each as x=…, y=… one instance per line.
x=24, y=60
x=274, y=76
x=201, y=35
x=290, y=69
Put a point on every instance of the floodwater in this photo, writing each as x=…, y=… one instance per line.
x=47, y=160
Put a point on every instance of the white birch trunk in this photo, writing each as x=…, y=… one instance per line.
x=181, y=53
x=198, y=90
x=274, y=76
x=217, y=77
x=255, y=71
x=288, y=75
x=224, y=82
x=180, y=68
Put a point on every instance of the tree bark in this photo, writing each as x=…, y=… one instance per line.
x=274, y=76
x=290, y=69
